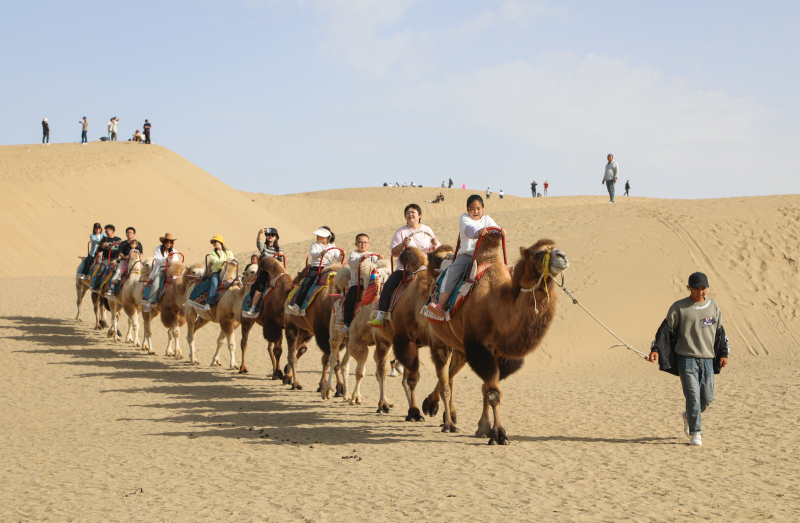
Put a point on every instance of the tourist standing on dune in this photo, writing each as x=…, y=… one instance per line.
x=627, y=188
x=146, y=131
x=691, y=343
x=85, y=131
x=610, y=176
x=114, y=124
x=533, y=188
x=45, y=132
x=546, y=186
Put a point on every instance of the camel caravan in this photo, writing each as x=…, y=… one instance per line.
x=425, y=294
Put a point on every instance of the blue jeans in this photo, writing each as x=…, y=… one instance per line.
x=83, y=136
x=697, y=379
x=46, y=138
x=610, y=187
x=212, y=290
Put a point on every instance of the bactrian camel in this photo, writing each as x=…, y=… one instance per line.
x=361, y=337
x=83, y=285
x=227, y=312
x=504, y=319
x=127, y=299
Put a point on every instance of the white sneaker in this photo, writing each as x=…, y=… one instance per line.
x=345, y=329
x=686, y=425
x=696, y=441
x=294, y=308
x=393, y=373
x=207, y=307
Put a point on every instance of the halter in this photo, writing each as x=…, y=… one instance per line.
x=542, y=280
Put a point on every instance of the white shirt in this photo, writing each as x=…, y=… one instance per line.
x=160, y=259
x=316, y=252
x=353, y=261
x=468, y=231
x=421, y=240
x=114, y=124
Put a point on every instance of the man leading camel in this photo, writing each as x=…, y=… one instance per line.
x=160, y=257
x=691, y=343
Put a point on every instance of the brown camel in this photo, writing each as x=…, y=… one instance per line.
x=361, y=337
x=409, y=330
x=171, y=306
x=227, y=312
x=127, y=300
x=316, y=323
x=271, y=315
x=504, y=320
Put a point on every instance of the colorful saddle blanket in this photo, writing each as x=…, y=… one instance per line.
x=309, y=297
x=161, y=287
x=199, y=295
x=368, y=296
x=98, y=274
x=248, y=300
x=459, y=295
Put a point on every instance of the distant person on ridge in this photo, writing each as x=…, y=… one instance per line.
x=85, y=131
x=114, y=124
x=451, y=183
x=627, y=188
x=501, y=194
x=533, y=188
x=610, y=177
x=546, y=186
x=110, y=125
x=691, y=343
x=488, y=193
x=45, y=132
x=146, y=131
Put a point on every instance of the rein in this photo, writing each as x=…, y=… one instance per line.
x=542, y=280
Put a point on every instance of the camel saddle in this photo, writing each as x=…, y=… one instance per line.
x=199, y=295
x=460, y=293
x=397, y=293
x=366, y=297
x=309, y=297
x=165, y=282
x=247, y=303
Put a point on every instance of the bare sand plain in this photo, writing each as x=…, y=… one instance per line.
x=596, y=433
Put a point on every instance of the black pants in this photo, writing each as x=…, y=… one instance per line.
x=260, y=284
x=392, y=283
x=46, y=137
x=305, y=286
x=83, y=136
x=147, y=137
x=87, y=264
x=350, y=304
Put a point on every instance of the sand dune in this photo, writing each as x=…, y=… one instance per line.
x=596, y=431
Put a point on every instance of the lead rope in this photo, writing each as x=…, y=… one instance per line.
x=576, y=302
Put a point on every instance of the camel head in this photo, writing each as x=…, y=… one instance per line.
x=231, y=270
x=272, y=266
x=412, y=258
x=435, y=259
x=195, y=270
x=530, y=266
x=249, y=275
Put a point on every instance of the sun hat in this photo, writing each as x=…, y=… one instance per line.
x=272, y=230
x=167, y=237
x=45, y=119
x=217, y=238
x=325, y=233
x=698, y=279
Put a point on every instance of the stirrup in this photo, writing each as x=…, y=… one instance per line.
x=378, y=324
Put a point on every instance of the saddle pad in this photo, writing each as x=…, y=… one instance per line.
x=457, y=298
x=309, y=297
x=146, y=290
x=199, y=294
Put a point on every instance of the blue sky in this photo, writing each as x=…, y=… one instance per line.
x=695, y=99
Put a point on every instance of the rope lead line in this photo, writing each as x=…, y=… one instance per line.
x=576, y=302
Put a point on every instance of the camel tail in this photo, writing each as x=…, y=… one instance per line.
x=272, y=331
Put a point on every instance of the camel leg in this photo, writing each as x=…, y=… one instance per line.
x=293, y=339
x=99, y=312
x=113, y=332
x=147, y=343
x=220, y=341
x=338, y=369
x=430, y=405
x=356, y=400
x=80, y=288
x=170, y=352
x=275, y=353
x=327, y=390
x=135, y=321
x=129, y=333
x=326, y=361
x=247, y=324
x=345, y=373
x=381, y=358
x=443, y=372
x=407, y=352
x=176, y=336
x=227, y=328
x=485, y=366
x=193, y=324
x=456, y=365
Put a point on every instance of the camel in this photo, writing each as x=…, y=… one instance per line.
x=171, y=306
x=271, y=315
x=227, y=312
x=81, y=286
x=408, y=330
x=128, y=300
x=316, y=323
x=505, y=319
x=361, y=338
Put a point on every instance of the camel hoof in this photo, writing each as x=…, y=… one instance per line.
x=383, y=409
x=430, y=407
x=326, y=394
x=414, y=415
x=297, y=387
x=498, y=437
x=233, y=367
x=150, y=351
x=277, y=375
x=449, y=428
x=243, y=370
x=285, y=380
x=319, y=389
x=339, y=391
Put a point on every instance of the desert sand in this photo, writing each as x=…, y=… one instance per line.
x=596, y=432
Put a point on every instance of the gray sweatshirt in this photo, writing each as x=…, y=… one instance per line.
x=611, y=171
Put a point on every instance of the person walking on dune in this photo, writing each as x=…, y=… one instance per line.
x=450, y=184
x=628, y=188
x=610, y=176
x=45, y=132
x=85, y=131
x=691, y=343
x=146, y=131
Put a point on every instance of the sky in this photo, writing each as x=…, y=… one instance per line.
x=694, y=99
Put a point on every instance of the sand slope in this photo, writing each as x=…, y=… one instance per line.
x=596, y=432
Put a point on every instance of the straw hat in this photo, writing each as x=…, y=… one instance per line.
x=217, y=238
x=166, y=237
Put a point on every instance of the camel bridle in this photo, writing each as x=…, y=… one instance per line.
x=542, y=281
